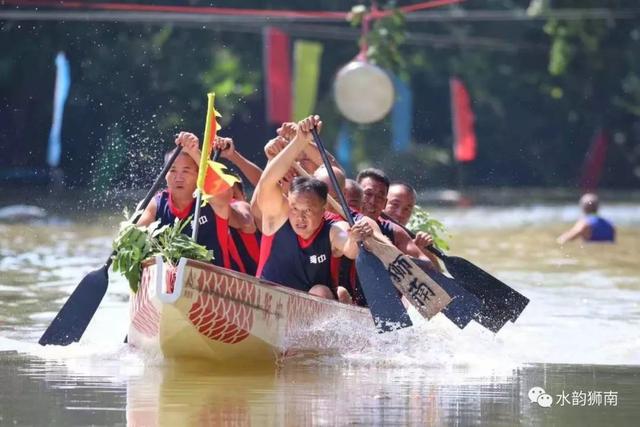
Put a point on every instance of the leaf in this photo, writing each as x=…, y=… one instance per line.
x=421, y=220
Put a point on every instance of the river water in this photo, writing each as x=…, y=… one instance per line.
x=578, y=340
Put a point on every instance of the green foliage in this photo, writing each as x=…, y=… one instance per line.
x=384, y=39
x=135, y=244
x=595, y=64
x=172, y=244
x=421, y=220
x=132, y=246
x=540, y=88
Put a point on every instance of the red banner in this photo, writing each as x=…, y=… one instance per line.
x=594, y=161
x=464, y=136
x=278, y=75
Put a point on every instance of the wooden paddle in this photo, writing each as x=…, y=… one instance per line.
x=463, y=306
x=74, y=316
x=385, y=304
x=500, y=303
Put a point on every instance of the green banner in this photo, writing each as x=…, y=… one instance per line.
x=306, y=74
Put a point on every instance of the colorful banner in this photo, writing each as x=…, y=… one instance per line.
x=306, y=69
x=401, y=116
x=594, y=161
x=343, y=146
x=464, y=136
x=61, y=91
x=212, y=179
x=277, y=75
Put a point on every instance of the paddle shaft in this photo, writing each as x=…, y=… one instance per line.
x=332, y=175
x=195, y=224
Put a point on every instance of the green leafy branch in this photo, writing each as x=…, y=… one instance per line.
x=421, y=220
x=135, y=244
x=385, y=38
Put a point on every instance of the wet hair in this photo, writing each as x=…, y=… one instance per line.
x=589, y=203
x=406, y=186
x=375, y=174
x=303, y=184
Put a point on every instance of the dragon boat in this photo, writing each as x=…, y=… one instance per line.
x=197, y=310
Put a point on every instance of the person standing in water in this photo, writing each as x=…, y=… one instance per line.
x=591, y=227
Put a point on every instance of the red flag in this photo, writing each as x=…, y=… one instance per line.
x=216, y=180
x=464, y=136
x=594, y=161
x=278, y=75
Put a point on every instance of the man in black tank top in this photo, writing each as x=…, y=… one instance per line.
x=401, y=200
x=375, y=186
x=177, y=202
x=297, y=241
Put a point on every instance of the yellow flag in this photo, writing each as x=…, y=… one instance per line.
x=212, y=178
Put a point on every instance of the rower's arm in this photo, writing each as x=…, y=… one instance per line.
x=406, y=245
x=250, y=170
x=221, y=201
x=345, y=240
x=312, y=155
x=269, y=196
x=240, y=217
x=579, y=229
x=340, y=242
x=149, y=214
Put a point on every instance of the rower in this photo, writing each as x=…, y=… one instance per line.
x=353, y=194
x=401, y=200
x=177, y=201
x=343, y=269
x=245, y=236
x=298, y=242
x=375, y=187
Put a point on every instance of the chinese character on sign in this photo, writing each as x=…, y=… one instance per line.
x=399, y=268
x=563, y=399
x=420, y=291
x=578, y=398
x=594, y=398
x=610, y=398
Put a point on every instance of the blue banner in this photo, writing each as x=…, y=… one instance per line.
x=63, y=81
x=401, y=116
x=343, y=146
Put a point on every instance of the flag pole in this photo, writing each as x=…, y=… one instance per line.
x=204, y=159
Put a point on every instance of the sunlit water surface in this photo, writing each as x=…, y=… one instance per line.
x=577, y=338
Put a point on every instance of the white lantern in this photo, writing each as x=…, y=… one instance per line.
x=363, y=92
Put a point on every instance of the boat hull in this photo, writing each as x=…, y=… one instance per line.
x=197, y=310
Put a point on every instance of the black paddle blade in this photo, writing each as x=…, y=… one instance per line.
x=75, y=315
x=384, y=302
x=500, y=303
x=464, y=306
